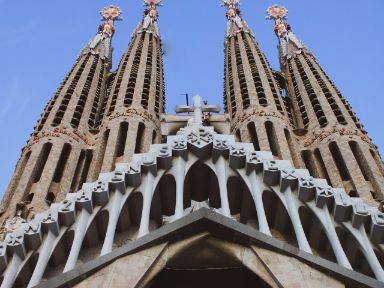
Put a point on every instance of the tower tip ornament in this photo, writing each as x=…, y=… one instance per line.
x=235, y=23
x=111, y=12
x=290, y=45
x=151, y=15
x=101, y=43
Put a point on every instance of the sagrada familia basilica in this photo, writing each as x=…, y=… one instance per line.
x=284, y=189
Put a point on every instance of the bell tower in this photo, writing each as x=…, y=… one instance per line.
x=48, y=167
x=252, y=95
x=335, y=145
x=131, y=112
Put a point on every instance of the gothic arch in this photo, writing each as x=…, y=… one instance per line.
x=353, y=251
x=241, y=202
x=200, y=185
x=278, y=219
x=315, y=234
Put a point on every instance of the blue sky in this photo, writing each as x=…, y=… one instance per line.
x=41, y=39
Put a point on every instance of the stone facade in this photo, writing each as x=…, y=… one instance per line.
x=247, y=193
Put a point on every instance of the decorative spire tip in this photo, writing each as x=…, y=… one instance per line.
x=111, y=13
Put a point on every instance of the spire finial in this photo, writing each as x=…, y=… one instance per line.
x=109, y=15
x=289, y=44
x=112, y=13
x=151, y=15
x=151, y=9
x=235, y=22
x=277, y=12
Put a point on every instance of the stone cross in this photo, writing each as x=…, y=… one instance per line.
x=198, y=108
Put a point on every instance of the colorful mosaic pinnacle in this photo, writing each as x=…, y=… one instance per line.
x=152, y=2
x=111, y=13
x=277, y=12
x=231, y=3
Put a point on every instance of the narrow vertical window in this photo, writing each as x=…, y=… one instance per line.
x=253, y=134
x=87, y=164
x=309, y=162
x=41, y=161
x=140, y=138
x=323, y=172
x=272, y=139
x=339, y=161
x=76, y=176
x=62, y=164
x=121, y=139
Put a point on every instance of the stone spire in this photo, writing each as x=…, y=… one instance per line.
x=290, y=45
x=235, y=22
x=135, y=101
x=252, y=95
x=101, y=43
x=335, y=144
x=56, y=158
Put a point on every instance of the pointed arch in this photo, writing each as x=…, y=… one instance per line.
x=94, y=238
x=200, y=185
x=278, y=219
x=241, y=203
x=60, y=255
x=26, y=272
x=315, y=234
x=164, y=199
x=354, y=254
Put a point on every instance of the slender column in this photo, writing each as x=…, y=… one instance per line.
x=179, y=169
x=11, y=272
x=297, y=226
x=221, y=172
x=44, y=255
x=365, y=245
x=80, y=232
x=114, y=212
x=329, y=227
x=148, y=193
x=257, y=194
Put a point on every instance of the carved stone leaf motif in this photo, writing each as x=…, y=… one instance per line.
x=66, y=206
x=164, y=152
x=200, y=138
x=82, y=197
x=361, y=209
x=32, y=228
x=325, y=191
x=14, y=240
x=148, y=160
x=100, y=187
x=379, y=217
x=117, y=177
x=237, y=151
x=254, y=158
x=272, y=166
x=49, y=219
x=343, y=199
x=307, y=182
x=179, y=144
x=288, y=174
x=220, y=144
x=133, y=168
